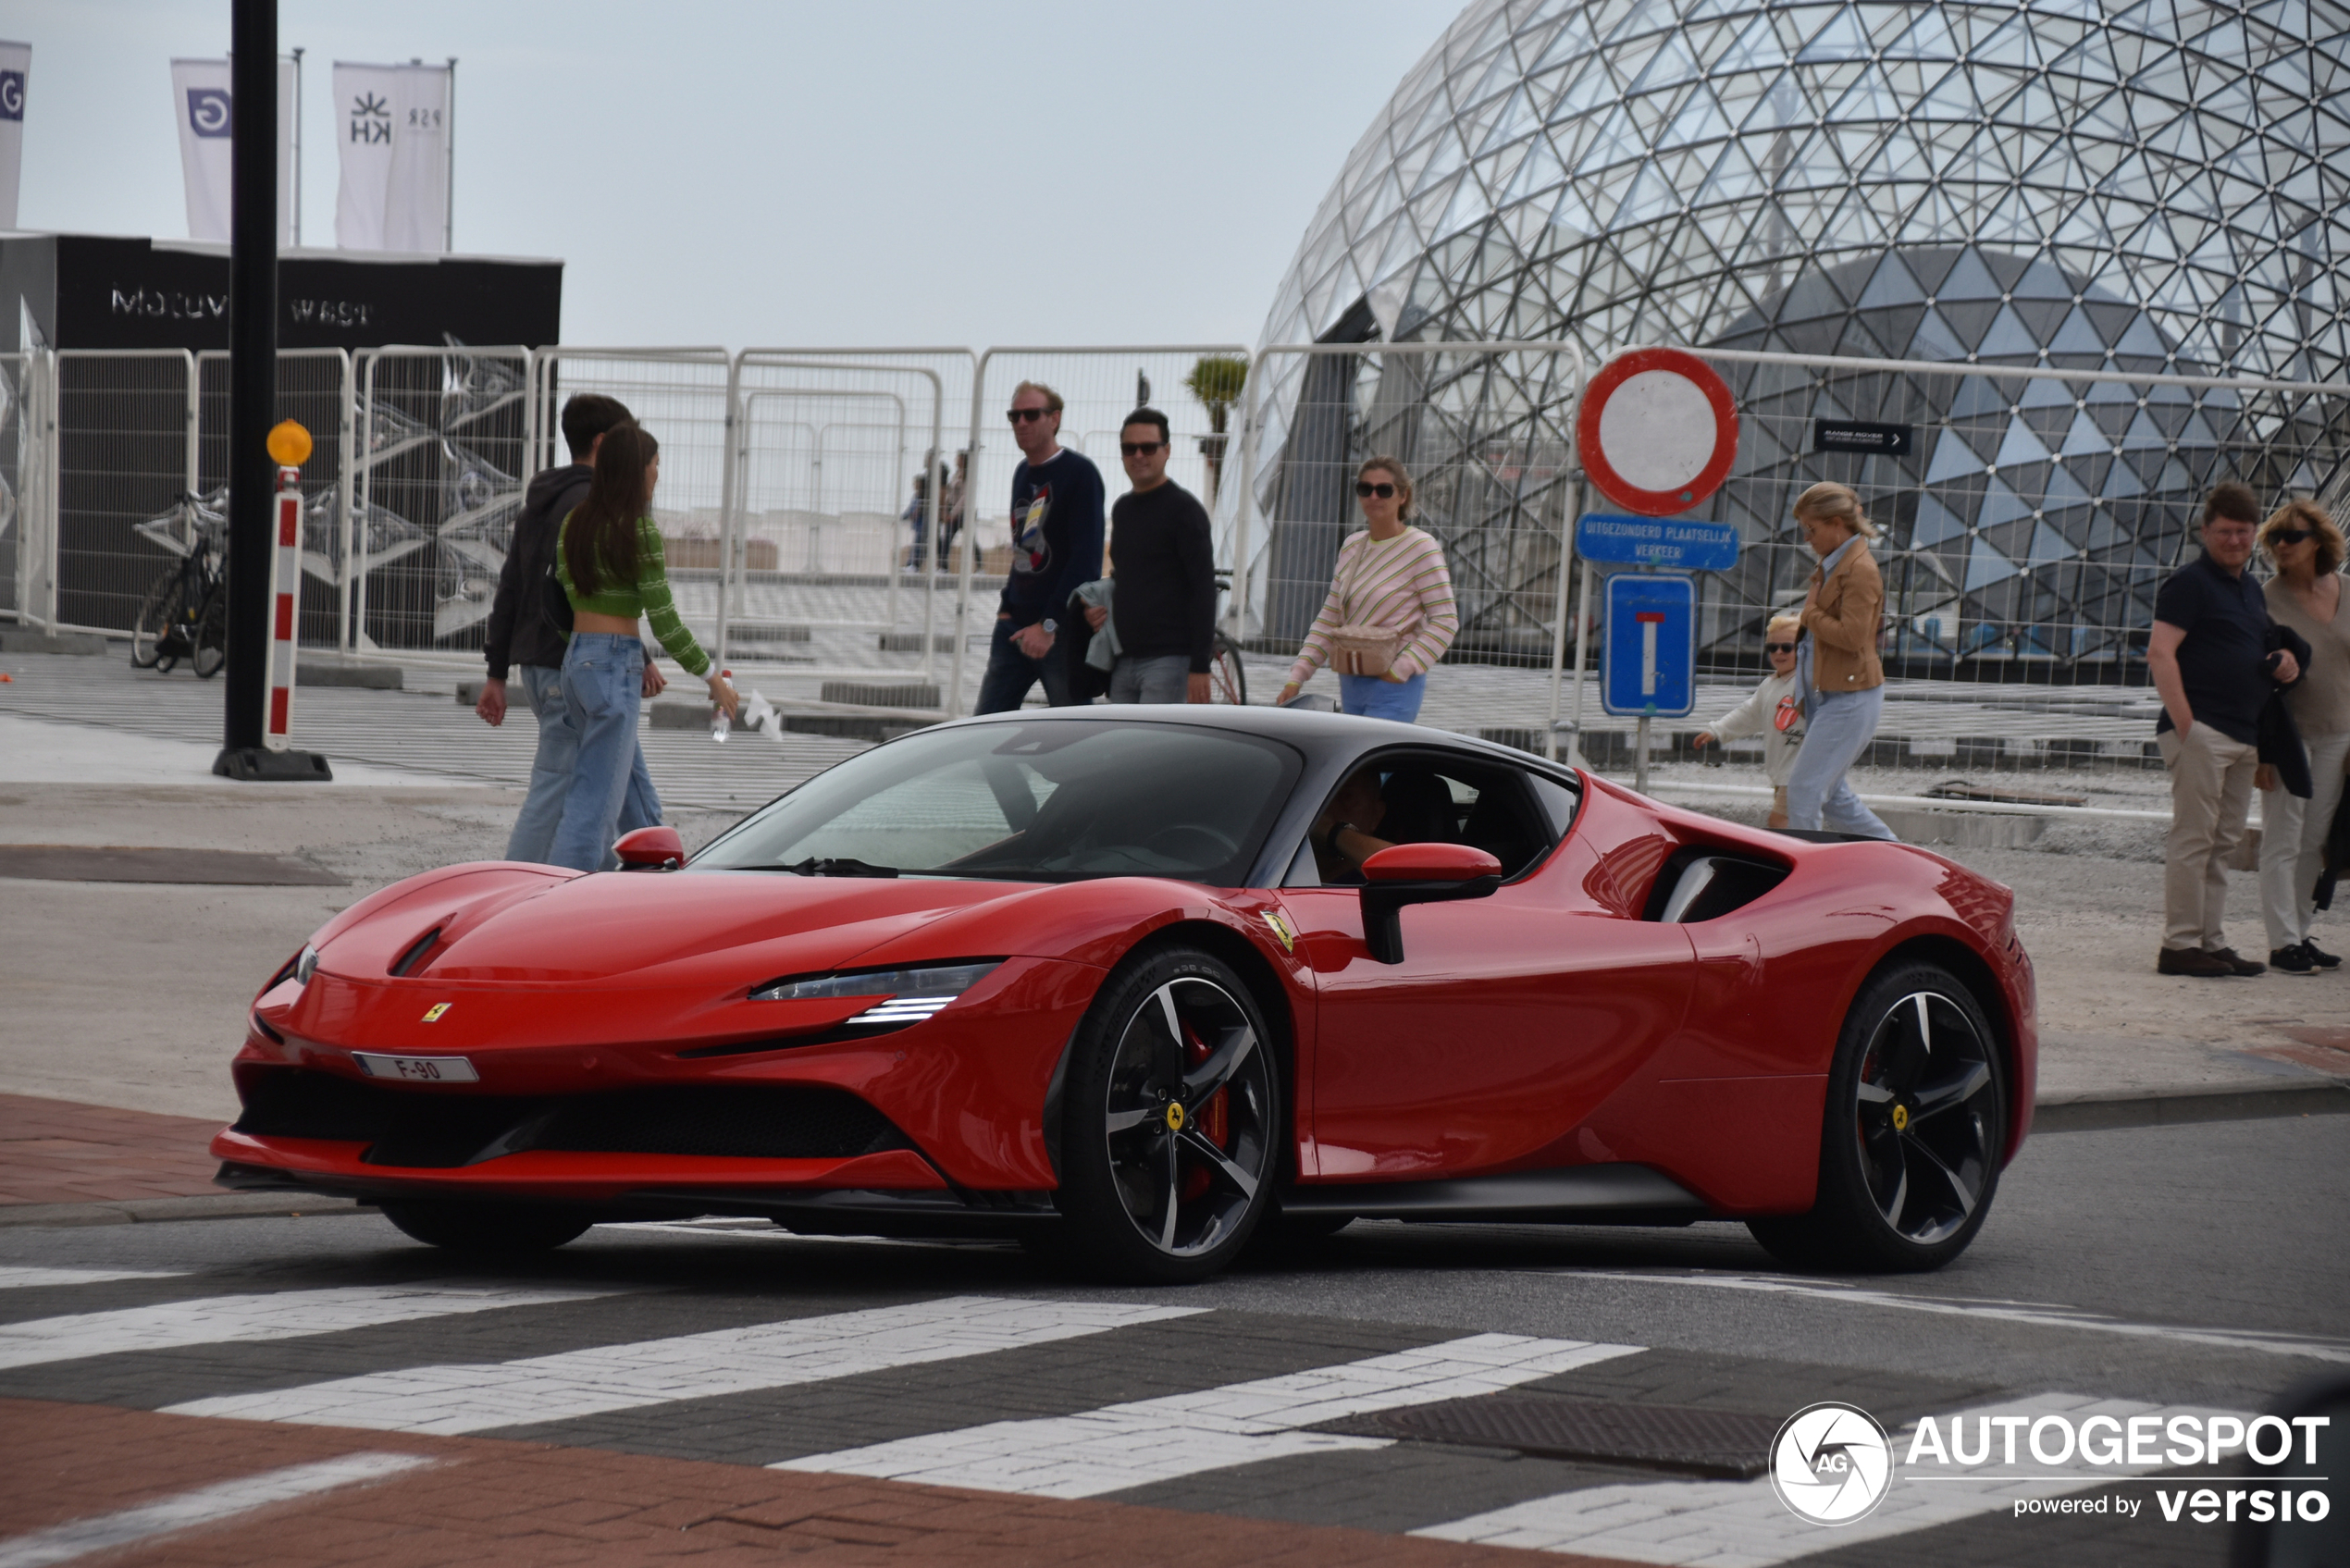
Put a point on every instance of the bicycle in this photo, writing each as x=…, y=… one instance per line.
x=185, y=614
x=1227, y=683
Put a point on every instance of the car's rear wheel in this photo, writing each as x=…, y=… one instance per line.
x=487, y=1228
x=1172, y=1119
x=1916, y=1127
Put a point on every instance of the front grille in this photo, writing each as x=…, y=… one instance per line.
x=761, y=1123
x=433, y=1129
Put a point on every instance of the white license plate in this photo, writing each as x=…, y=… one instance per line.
x=417, y=1069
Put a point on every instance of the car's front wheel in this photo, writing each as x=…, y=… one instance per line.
x=1172, y=1122
x=1915, y=1128
x=488, y=1227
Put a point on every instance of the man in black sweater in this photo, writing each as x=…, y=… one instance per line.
x=522, y=635
x=1163, y=608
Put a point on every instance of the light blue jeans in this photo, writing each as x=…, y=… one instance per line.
x=603, y=678
x=1840, y=726
x=533, y=835
x=1375, y=698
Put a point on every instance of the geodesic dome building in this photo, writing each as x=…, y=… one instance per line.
x=2083, y=185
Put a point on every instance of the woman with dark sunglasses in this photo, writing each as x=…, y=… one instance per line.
x=1390, y=615
x=2305, y=594
x=1774, y=713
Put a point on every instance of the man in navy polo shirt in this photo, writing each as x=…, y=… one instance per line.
x=2211, y=662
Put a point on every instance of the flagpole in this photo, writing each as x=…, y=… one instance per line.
x=449, y=186
x=297, y=150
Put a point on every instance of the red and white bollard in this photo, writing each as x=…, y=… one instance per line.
x=285, y=610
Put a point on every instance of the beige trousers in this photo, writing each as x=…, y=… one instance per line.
x=2210, y=793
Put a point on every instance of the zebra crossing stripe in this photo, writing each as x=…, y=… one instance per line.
x=1128, y=1445
x=1743, y=1524
x=215, y=1320
x=451, y=1398
x=17, y=1279
x=205, y=1505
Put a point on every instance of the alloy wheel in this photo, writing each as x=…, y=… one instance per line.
x=1925, y=1117
x=1187, y=1116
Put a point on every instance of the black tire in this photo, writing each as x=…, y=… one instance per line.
x=157, y=612
x=1227, y=681
x=1172, y=1125
x=1913, y=1134
x=211, y=634
x=487, y=1228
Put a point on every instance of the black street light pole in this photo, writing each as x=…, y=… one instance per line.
x=253, y=397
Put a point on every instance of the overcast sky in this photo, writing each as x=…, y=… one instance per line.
x=788, y=171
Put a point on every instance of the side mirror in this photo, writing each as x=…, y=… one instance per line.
x=1419, y=873
x=655, y=849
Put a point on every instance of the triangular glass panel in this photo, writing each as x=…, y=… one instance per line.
x=1842, y=38
x=2082, y=438
x=1986, y=566
x=1935, y=523
x=2048, y=546
x=2019, y=446
x=1970, y=279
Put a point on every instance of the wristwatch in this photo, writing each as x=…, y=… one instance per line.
x=1050, y=625
x=1329, y=839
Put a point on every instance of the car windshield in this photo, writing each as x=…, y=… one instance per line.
x=1042, y=800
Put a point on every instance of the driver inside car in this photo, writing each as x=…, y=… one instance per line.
x=1342, y=835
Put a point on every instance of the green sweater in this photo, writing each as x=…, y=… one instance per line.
x=648, y=596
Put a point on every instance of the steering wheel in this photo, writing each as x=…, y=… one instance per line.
x=1184, y=842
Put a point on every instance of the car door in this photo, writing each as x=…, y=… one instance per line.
x=1510, y=1018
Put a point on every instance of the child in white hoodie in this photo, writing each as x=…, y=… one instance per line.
x=1774, y=713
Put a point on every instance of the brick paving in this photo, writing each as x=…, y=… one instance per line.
x=62, y=1151
x=489, y=1500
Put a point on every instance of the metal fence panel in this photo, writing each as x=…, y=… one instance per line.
x=20, y=477
x=438, y=463
x=842, y=473
x=314, y=389
x=123, y=455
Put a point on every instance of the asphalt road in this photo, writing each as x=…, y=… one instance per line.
x=2153, y=1269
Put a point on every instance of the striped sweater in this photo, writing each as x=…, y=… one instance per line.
x=1400, y=582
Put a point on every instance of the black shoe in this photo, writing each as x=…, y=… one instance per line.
x=2238, y=966
x=2291, y=960
x=2323, y=960
x=2191, y=962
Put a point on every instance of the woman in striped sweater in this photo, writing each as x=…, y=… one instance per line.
x=1390, y=615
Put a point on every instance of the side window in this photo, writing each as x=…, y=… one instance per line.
x=1420, y=799
x=1557, y=801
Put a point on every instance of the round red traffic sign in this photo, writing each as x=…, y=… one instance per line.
x=1657, y=431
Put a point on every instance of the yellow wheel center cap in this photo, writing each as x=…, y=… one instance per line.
x=1175, y=1116
x=1901, y=1119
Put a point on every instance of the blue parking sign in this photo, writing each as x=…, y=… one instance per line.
x=1648, y=660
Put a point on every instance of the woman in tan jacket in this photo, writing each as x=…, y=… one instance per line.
x=1839, y=671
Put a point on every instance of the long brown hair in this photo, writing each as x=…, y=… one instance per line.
x=602, y=533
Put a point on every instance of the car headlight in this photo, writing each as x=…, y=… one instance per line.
x=907, y=995
x=305, y=966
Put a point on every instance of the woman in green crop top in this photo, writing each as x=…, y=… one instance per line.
x=607, y=558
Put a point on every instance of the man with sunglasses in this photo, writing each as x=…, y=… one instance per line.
x=1057, y=546
x=1164, y=609
x=2210, y=657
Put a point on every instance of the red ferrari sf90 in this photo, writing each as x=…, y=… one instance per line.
x=1149, y=980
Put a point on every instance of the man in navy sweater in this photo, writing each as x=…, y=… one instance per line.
x=1165, y=604
x=1056, y=545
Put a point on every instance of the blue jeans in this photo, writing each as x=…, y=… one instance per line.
x=1841, y=727
x=1163, y=679
x=533, y=835
x=603, y=678
x=1375, y=698
x=1011, y=673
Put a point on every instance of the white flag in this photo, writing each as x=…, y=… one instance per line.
x=201, y=97
x=393, y=126
x=16, y=64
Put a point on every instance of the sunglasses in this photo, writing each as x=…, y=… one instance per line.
x=1025, y=415
x=1778, y=648
x=1136, y=449
x=2289, y=535
x=1364, y=487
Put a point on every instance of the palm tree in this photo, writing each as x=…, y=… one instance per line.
x=1215, y=380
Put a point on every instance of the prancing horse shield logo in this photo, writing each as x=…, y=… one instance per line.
x=432, y=1014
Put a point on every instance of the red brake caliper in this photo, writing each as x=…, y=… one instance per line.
x=1212, y=1118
